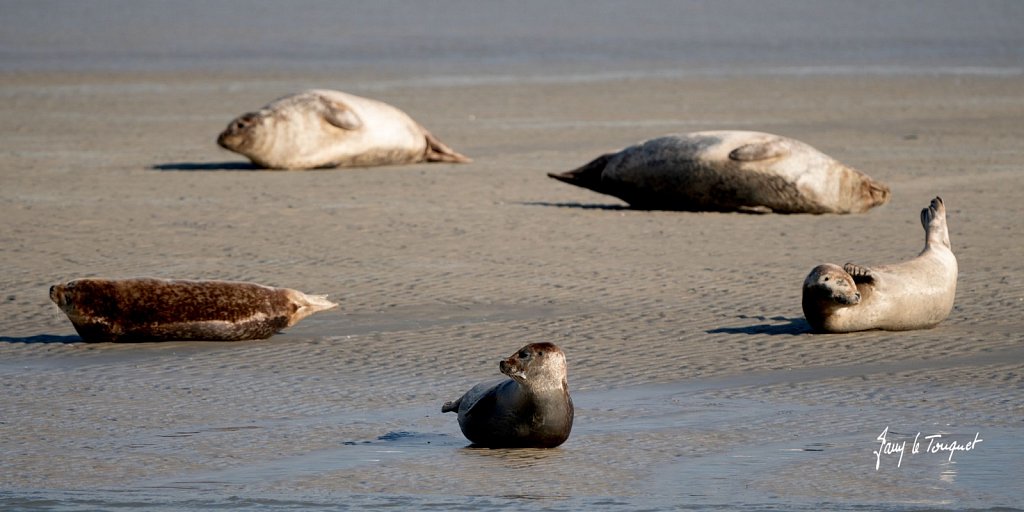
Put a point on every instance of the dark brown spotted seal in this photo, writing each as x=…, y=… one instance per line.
x=149, y=309
x=729, y=171
x=323, y=128
x=532, y=409
x=915, y=294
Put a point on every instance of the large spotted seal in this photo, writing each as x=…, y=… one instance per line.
x=915, y=294
x=729, y=171
x=531, y=410
x=323, y=128
x=149, y=309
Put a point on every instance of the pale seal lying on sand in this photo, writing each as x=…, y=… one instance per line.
x=147, y=309
x=915, y=294
x=531, y=410
x=729, y=171
x=323, y=128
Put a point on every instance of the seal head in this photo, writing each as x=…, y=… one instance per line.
x=239, y=135
x=827, y=288
x=532, y=409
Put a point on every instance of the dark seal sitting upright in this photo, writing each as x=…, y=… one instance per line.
x=322, y=128
x=148, y=309
x=729, y=171
x=531, y=410
x=914, y=294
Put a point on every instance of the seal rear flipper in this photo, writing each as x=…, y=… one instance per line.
x=760, y=151
x=936, y=210
x=452, y=406
x=589, y=176
x=933, y=219
x=438, y=151
x=307, y=305
x=860, y=274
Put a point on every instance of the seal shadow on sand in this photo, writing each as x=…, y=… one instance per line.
x=43, y=338
x=206, y=166
x=794, y=327
x=582, y=206
x=609, y=206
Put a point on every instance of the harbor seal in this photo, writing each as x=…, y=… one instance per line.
x=729, y=171
x=321, y=128
x=531, y=410
x=915, y=294
x=149, y=309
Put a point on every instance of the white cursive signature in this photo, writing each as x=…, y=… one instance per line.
x=936, y=444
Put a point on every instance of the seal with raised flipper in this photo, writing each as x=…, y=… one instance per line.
x=323, y=128
x=532, y=409
x=729, y=171
x=915, y=294
x=151, y=309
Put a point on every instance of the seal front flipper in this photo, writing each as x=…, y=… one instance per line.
x=337, y=114
x=859, y=273
x=775, y=148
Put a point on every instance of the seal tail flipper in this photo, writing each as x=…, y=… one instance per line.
x=452, y=406
x=308, y=304
x=933, y=219
x=588, y=176
x=934, y=211
x=438, y=151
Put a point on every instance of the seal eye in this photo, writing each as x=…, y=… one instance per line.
x=826, y=278
x=244, y=122
x=523, y=354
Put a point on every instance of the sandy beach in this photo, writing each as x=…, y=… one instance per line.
x=696, y=379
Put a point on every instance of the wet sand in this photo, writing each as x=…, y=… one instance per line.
x=696, y=380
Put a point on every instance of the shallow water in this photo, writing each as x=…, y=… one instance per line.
x=742, y=442
x=813, y=469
